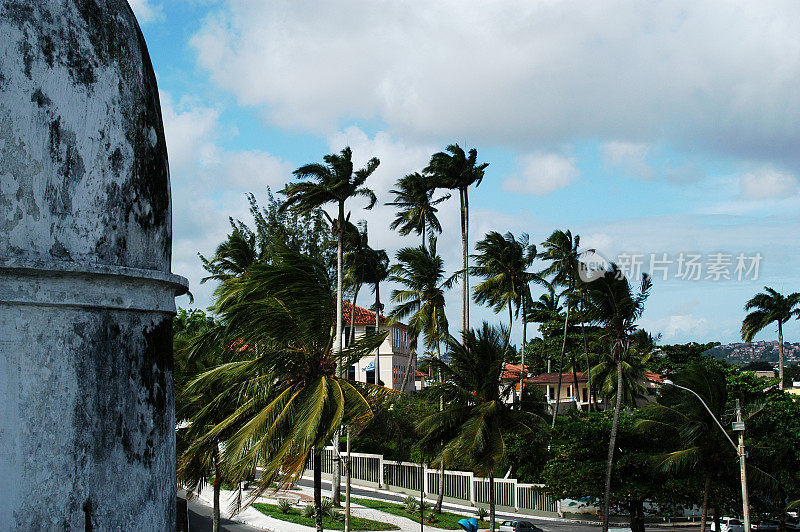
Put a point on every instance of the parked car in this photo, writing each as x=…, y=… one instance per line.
x=728, y=524
x=519, y=526
x=764, y=526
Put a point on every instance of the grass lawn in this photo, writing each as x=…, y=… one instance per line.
x=356, y=523
x=446, y=520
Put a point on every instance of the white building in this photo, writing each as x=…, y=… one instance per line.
x=394, y=351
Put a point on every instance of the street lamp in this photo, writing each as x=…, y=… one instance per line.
x=738, y=426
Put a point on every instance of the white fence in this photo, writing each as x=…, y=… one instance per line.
x=461, y=487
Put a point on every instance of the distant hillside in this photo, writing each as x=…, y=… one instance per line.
x=741, y=353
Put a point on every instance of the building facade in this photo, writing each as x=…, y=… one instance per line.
x=394, y=352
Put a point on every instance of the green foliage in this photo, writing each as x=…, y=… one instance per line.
x=413, y=196
x=446, y=520
x=308, y=511
x=674, y=357
x=306, y=518
x=411, y=504
x=284, y=506
x=481, y=513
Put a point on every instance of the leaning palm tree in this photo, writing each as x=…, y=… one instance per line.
x=458, y=171
x=503, y=263
x=335, y=181
x=770, y=307
x=616, y=306
x=233, y=256
x=702, y=446
x=280, y=320
x=417, y=208
x=561, y=249
x=476, y=417
x=377, y=272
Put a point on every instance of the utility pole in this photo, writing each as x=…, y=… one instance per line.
x=739, y=427
x=347, y=485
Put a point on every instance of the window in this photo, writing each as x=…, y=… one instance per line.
x=552, y=393
x=399, y=339
x=370, y=329
x=569, y=392
x=584, y=395
x=351, y=373
x=371, y=376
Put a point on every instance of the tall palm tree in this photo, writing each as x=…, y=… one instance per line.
x=703, y=447
x=420, y=272
x=280, y=319
x=417, y=208
x=503, y=263
x=476, y=417
x=458, y=170
x=356, y=263
x=377, y=272
x=335, y=181
x=770, y=307
x=615, y=305
x=562, y=250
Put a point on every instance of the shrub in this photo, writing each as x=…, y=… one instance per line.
x=411, y=505
x=481, y=513
x=326, y=507
x=308, y=511
x=431, y=517
x=284, y=506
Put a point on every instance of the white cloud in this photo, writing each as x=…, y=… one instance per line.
x=146, y=11
x=543, y=173
x=630, y=157
x=767, y=183
x=518, y=72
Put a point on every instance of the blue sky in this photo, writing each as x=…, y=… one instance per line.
x=647, y=128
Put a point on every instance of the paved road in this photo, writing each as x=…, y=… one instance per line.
x=200, y=520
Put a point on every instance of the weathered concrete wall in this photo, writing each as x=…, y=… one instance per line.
x=87, y=437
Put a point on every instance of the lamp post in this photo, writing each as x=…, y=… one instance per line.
x=738, y=426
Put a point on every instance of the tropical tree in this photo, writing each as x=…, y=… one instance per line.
x=377, y=272
x=633, y=365
x=279, y=320
x=356, y=264
x=454, y=169
x=703, y=446
x=417, y=208
x=476, y=418
x=770, y=307
x=420, y=272
x=503, y=263
x=335, y=182
x=562, y=250
x=615, y=305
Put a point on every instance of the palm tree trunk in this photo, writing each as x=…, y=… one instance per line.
x=561, y=368
x=464, y=261
x=406, y=372
x=780, y=353
x=377, y=329
x=510, y=322
x=217, y=486
x=704, y=511
x=522, y=361
x=353, y=314
x=337, y=346
x=575, y=395
x=611, y=446
x=491, y=499
x=438, y=507
x=588, y=366
x=318, y=490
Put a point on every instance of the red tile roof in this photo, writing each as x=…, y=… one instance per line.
x=511, y=371
x=363, y=316
x=552, y=378
x=654, y=377
x=419, y=375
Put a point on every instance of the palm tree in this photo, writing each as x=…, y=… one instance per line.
x=561, y=249
x=417, y=208
x=702, y=445
x=458, y=171
x=280, y=319
x=614, y=304
x=633, y=365
x=356, y=263
x=332, y=182
x=770, y=307
x=377, y=272
x=420, y=271
x=476, y=416
x=503, y=262
x=233, y=256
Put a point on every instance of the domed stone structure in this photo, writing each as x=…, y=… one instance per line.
x=87, y=435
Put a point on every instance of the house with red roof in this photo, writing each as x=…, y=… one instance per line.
x=575, y=390
x=394, y=352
